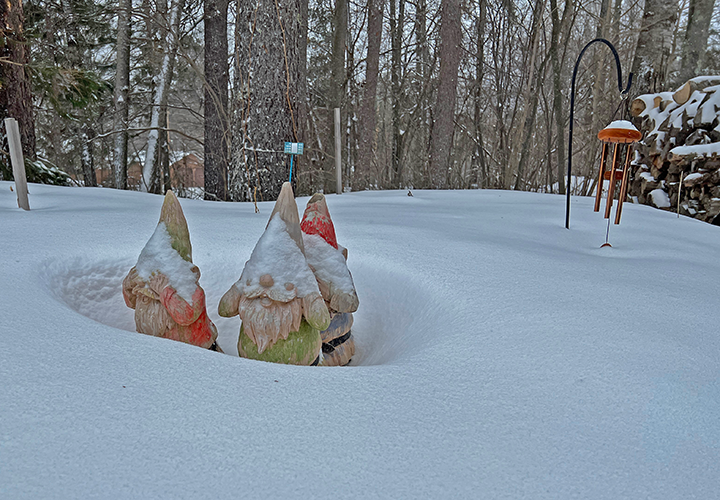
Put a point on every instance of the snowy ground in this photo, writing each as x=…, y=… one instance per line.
x=500, y=356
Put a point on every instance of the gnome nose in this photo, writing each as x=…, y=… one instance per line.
x=266, y=280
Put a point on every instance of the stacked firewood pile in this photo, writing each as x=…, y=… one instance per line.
x=681, y=140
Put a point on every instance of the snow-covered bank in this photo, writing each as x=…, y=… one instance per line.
x=499, y=356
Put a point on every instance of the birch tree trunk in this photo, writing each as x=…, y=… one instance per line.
x=650, y=65
x=122, y=89
x=152, y=174
x=368, y=107
x=444, y=111
x=268, y=83
x=216, y=99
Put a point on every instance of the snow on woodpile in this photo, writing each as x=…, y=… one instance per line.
x=681, y=139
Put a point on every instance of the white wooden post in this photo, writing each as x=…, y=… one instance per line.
x=338, y=151
x=18, y=163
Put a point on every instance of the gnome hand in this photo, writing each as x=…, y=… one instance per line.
x=158, y=282
x=338, y=300
x=316, y=312
x=128, y=288
x=345, y=302
x=229, y=303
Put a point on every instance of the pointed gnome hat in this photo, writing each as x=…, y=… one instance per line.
x=287, y=209
x=326, y=259
x=316, y=220
x=168, y=251
x=176, y=225
x=278, y=258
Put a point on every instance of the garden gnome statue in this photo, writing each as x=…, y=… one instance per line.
x=163, y=286
x=277, y=296
x=328, y=262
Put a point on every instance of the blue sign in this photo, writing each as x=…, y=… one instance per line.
x=294, y=148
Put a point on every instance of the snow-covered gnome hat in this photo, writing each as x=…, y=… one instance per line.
x=168, y=251
x=326, y=258
x=277, y=287
x=176, y=225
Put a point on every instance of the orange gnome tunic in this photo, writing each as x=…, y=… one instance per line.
x=179, y=321
x=192, y=324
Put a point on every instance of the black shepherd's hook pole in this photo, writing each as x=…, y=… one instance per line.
x=572, y=111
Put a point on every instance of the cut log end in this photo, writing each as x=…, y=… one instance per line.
x=683, y=94
x=637, y=107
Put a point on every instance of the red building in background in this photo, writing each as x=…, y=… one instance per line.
x=187, y=172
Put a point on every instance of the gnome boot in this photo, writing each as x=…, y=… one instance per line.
x=338, y=345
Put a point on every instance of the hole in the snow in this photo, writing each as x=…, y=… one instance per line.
x=93, y=289
x=395, y=318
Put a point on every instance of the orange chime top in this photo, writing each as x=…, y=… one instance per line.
x=620, y=132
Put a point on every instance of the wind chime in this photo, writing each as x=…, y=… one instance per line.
x=621, y=134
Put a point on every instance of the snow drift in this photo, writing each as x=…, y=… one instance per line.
x=499, y=355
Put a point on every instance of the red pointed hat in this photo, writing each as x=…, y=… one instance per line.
x=316, y=220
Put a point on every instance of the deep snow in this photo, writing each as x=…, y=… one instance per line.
x=499, y=356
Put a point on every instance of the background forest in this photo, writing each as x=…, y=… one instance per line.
x=143, y=94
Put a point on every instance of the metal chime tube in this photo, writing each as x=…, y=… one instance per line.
x=623, y=188
x=611, y=188
x=601, y=178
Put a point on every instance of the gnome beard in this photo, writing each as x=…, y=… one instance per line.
x=151, y=316
x=266, y=321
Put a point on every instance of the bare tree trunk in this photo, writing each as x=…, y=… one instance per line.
x=478, y=171
x=549, y=180
x=15, y=93
x=614, y=32
x=420, y=116
x=529, y=128
x=600, y=65
x=397, y=22
x=696, y=38
x=530, y=97
x=444, y=111
x=557, y=86
x=216, y=99
x=122, y=90
x=651, y=62
x=268, y=76
x=338, y=83
x=367, y=109
x=152, y=175
x=86, y=157
x=302, y=101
